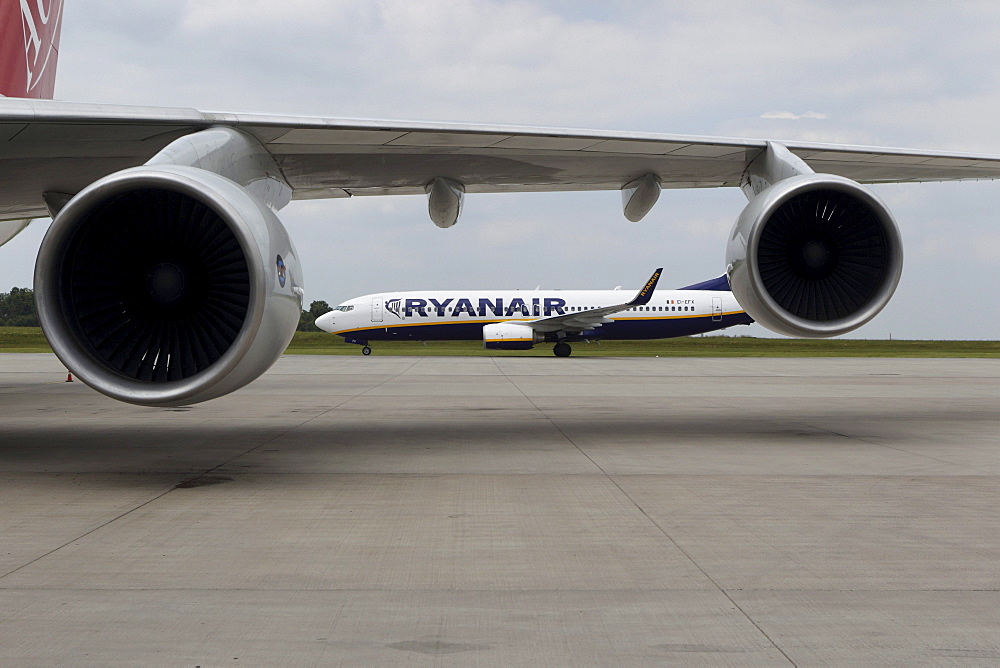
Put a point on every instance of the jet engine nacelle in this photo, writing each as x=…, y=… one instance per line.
x=167, y=285
x=814, y=255
x=510, y=336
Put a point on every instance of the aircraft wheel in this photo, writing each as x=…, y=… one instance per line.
x=562, y=350
x=367, y=350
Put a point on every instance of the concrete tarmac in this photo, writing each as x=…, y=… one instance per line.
x=508, y=511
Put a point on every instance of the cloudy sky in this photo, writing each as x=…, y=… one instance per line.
x=913, y=75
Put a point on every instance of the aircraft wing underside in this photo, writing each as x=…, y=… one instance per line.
x=62, y=147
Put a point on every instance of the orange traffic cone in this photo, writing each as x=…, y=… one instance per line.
x=69, y=377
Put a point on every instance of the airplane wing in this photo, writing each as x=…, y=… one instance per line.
x=61, y=147
x=583, y=320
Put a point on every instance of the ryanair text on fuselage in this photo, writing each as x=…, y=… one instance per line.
x=535, y=306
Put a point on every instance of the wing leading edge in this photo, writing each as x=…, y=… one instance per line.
x=60, y=147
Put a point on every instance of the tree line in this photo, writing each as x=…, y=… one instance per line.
x=17, y=309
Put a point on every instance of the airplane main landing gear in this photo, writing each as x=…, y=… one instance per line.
x=562, y=349
x=367, y=350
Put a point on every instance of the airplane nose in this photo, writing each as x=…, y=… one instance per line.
x=326, y=322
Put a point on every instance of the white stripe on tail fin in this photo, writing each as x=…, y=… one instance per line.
x=29, y=47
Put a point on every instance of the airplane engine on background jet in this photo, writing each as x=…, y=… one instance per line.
x=510, y=336
x=167, y=285
x=814, y=255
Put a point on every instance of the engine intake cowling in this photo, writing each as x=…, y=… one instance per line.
x=814, y=255
x=167, y=285
x=510, y=336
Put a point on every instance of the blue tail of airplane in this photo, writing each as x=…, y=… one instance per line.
x=720, y=284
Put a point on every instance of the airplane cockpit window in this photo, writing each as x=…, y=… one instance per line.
x=343, y=307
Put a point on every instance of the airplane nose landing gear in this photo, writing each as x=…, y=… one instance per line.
x=367, y=350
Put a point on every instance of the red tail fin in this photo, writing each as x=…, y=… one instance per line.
x=29, y=47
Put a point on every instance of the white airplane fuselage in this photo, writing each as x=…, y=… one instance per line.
x=454, y=315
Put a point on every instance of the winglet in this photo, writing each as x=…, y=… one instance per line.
x=647, y=291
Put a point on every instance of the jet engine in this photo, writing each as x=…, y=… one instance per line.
x=166, y=285
x=814, y=255
x=510, y=336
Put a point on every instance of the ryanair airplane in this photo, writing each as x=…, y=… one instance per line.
x=519, y=319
